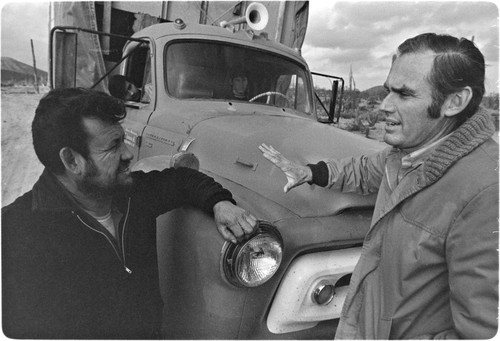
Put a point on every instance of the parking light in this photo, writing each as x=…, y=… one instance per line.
x=323, y=293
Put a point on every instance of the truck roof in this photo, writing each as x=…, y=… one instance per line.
x=246, y=37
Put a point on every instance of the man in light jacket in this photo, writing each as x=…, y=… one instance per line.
x=429, y=264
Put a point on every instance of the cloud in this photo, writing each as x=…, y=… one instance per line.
x=22, y=22
x=365, y=34
x=25, y=15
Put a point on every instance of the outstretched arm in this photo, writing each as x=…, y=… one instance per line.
x=362, y=174
x=296, y=174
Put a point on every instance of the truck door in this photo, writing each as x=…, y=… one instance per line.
x=137, y=69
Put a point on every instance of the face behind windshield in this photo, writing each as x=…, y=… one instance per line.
x=235, y=73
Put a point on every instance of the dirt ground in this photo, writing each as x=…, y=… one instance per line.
x=20, y=166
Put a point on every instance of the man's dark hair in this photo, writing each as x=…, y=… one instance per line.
x=58, y=122
x=458, y=63
x=238, y=71
x=241, y=74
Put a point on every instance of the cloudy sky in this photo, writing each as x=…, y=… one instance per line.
x=21, y=22
x=366, y=34
x=363, y=34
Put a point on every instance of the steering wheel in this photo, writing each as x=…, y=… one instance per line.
x=269, y=93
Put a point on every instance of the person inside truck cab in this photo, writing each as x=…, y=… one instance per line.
x=79, y=253
x=239, y=86
x=429, y=263
x=121, y=88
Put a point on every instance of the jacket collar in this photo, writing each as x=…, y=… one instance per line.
x=471, y=134
x=418, y=157
x=50, y=195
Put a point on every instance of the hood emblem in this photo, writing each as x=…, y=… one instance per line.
x=245, y=163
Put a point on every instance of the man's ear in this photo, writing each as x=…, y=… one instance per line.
x=456, y=102
x=72, y=160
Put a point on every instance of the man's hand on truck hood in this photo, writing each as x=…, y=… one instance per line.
x=233, y=222
x=296, y=174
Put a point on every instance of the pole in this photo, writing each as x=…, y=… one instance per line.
x=204, y=12
x=34, y=67
x=106, y=27
x=279, y=25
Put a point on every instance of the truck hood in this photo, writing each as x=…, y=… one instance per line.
x=228, y=146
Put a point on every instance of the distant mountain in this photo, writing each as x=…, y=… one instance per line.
x=11, y=64
x=376, y=91
x=16, y=72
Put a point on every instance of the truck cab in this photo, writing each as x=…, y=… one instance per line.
x=288, y=280
x=186, y=76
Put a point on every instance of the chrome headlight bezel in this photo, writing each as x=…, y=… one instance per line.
x=232, y=254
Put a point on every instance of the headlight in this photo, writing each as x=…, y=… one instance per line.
x=254, y=261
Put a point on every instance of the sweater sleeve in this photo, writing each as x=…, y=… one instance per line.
x=172, y=188
x=361, y=175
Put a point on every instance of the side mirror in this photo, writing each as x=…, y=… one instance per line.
x=64, y=62
x=326, y=98
x=333, y=101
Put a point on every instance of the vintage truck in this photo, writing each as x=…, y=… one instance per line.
x=289, y=280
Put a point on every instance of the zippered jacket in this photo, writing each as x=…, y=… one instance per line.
x=429, y=263
x=65, y=276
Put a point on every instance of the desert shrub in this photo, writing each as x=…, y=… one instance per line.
x=366, y=120
x=348, y=113
x=351, y=125
x=490, y=101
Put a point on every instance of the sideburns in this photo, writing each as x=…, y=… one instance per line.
x=89, y=186
x=434, y=109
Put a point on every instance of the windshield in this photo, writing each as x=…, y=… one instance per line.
x=235, y=73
